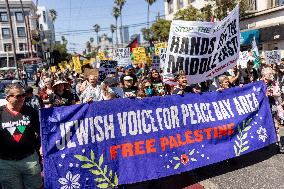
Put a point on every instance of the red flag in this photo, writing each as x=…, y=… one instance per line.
x=133, y=44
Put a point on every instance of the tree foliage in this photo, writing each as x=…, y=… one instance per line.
x=60, y=53
x=160, y=30
x=223, y=7
x=53, y=15
x=188, y=14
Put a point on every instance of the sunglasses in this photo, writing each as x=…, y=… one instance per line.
x=18, y=96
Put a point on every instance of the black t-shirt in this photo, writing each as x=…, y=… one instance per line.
x=61, y=100
x=187, y=89
x=18, y=133
x=130, y=92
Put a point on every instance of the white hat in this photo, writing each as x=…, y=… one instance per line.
x=59, y=82
x=127, y=78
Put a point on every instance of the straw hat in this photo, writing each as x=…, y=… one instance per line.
x=59, y=82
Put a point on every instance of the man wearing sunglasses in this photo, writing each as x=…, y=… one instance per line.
x=19, y=138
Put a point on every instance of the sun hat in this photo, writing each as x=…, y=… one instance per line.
x=59, y=82
x=126, y=78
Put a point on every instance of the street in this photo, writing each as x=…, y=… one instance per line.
x=262, y=169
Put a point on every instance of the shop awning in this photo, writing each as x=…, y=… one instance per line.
x=247, y=37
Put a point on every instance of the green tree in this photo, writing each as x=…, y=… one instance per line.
x=88, y=46
x=64, y=41
x=146, y=34
x=120, y=4
x=97, y=28
x=207, y=12
x=116, y=14
x=53, y=15
x=160, y=30
x=188, y=14
x=149, y=2
x=60, y=53
x=223, y=7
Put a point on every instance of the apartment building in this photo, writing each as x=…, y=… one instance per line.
x=266, y=24
x=19, y=29
x=173, y=6
x=46, y=27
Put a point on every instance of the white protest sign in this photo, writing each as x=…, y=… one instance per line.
x=106, y=67
x=203, y=49
x=163, y=53
x=155, y=62
x=122, y=56
x=244, y=58
x=273, y=57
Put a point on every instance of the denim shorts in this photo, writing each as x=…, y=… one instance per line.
x=21, y=174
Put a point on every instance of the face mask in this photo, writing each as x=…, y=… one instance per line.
x=149, y=91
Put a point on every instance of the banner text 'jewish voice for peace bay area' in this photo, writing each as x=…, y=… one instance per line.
x=125, y=141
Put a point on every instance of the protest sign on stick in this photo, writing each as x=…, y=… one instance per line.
x=203, y=49
x=244, y=58
x=106, y=67
x=122, y=141
x=163, y=54
x=273, y=57
x=122, y=56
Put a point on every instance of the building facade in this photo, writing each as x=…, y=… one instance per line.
x=173, y=6
x=266, y=24
x=46, y=27
x=19, y=29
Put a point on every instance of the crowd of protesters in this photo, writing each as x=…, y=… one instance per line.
x=68, y=88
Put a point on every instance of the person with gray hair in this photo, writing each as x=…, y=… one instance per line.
x=19, y=133
x=224, y=82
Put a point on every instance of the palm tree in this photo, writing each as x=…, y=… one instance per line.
x=120, y=4
x=112, y=30
x=88, y=46
x=64, y=41
x=97, y=29
x=149, y=2
x=91, y=42
x=116, y=14
x=53, y=15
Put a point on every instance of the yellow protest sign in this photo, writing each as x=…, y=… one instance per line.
x=101, y=56
x=53, y=69
x=85, y=62
x=159, y=46
x=77, y=64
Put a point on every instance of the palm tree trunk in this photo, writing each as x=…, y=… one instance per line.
x=97, y=38
x=112, y=41
x=116, y=32
x=121, y=36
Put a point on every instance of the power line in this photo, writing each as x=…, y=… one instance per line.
x=102, y=29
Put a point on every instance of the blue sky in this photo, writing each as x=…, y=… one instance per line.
x=83, y=14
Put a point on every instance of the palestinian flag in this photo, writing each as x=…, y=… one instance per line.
x=255, y=54
x=133, y=44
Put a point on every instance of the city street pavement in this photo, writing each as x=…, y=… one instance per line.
x=261, y=169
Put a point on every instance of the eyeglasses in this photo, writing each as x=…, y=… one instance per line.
x=18, y=96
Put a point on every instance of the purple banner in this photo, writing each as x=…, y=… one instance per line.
x=108, y=143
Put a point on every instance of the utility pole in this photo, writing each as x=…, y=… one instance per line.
x=26, y=25
x=13, y=38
